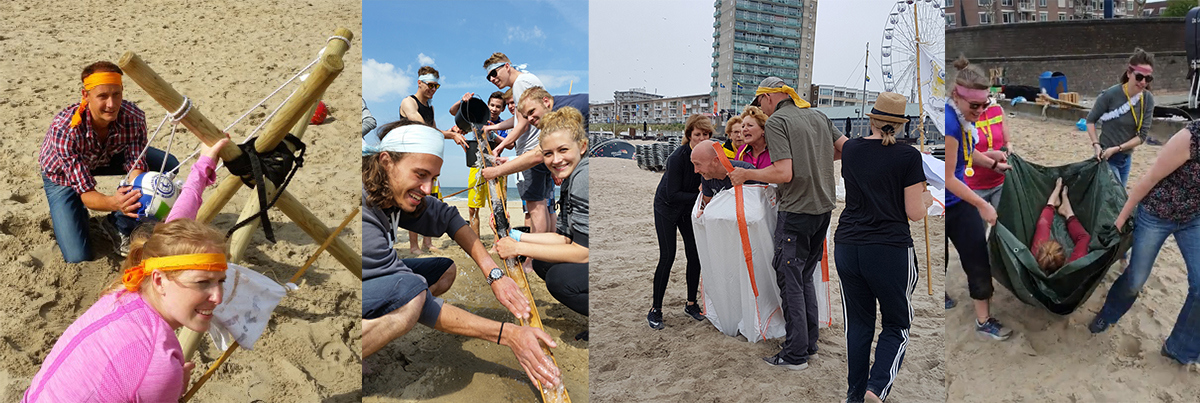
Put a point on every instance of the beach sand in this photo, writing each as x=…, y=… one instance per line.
x=1055, y=358
x=428, y=365
x=226, y=57
x=692, y=361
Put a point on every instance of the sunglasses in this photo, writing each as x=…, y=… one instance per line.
x=494, y=72
x=1143, y=77
x=977, y=106
x=432, y=85
x=757, y=101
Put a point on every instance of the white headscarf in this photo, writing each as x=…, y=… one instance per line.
x=414, y=138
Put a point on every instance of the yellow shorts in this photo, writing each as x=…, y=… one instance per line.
x=476, y=196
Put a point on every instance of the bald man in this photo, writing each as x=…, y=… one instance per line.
x=716, y=177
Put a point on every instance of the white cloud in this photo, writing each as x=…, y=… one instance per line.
x=524, y=35
x=425, y=60
x=380, y=80
x=560, y=80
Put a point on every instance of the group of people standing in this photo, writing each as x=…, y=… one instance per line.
x=400, y=168
x=1163, y=202
x=780, y=140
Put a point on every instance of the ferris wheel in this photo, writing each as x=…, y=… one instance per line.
x=899, y=45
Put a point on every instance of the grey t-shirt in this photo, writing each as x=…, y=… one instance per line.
x=1123, y=128
x=379, y=233
x=573, y=219
x=805, y=136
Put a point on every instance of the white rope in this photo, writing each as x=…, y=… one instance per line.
x=344, y=39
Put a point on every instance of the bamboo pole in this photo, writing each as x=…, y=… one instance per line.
x=296, y=277
x=498, y=191
x=921, y=127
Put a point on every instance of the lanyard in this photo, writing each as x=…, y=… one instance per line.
x=1125, y=89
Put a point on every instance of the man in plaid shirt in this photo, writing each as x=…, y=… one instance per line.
x=102, y=135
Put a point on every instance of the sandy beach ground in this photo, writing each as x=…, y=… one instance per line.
x=1055, y=358
x=428, y=365
x=225, y=56
x=692, y=361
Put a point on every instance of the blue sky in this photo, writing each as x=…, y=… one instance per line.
x=455, y=37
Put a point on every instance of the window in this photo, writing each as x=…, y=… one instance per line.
x=1062, y=16
x=1043, y=16
x=1042, y=3
x=949, y=3
x=983, y=3
x=1006, y=3
x=837, y=103
x=985, y=18
x=1062, y=3
x=950, y=20
x=1147, y=12
x=1007, y=18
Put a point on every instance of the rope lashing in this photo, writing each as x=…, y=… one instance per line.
x=175, y=118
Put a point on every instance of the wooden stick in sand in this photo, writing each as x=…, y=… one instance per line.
x=234, y=346
x=513, y=269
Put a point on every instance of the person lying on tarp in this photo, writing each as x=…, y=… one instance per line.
x=1048, y=252
x=716, y=177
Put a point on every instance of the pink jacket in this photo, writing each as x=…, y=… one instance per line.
x=190, y=198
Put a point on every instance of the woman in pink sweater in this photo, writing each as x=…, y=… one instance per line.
x=1048, y=252
x=123, y=348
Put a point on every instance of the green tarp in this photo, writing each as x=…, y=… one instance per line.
x=1096, y=197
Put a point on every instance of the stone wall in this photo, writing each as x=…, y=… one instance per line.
x=1092, y=53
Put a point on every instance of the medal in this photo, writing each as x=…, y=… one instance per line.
x=970, y=171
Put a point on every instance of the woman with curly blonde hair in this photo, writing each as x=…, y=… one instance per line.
x=754, y=145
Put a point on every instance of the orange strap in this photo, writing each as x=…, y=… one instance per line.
x=741, y=218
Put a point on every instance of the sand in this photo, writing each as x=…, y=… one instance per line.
x=225, y=56
x=428, y=365
x=1055, y=358
x=691, y=361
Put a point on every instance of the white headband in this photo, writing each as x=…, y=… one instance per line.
x=429, y=78
x=414, y=138
x=494, y=66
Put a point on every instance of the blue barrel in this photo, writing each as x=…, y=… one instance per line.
x=1053, y=83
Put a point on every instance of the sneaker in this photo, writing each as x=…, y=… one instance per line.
x=654, y=318
x=812, y=353
x=120, y=241
x=993, y=329
x=694, y=311
x=582, y=336
x=778, y=361
x=950, y=304
x=1098, y=325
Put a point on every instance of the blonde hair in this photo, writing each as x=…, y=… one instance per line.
x=1050, y=256
x=532, y=93
x=508, y=95
x=496, y=57
x=178, y=237
x=889, y=136
x=757, y=114
x=736, y=120
x=697, y=122
x=565, y=119
x=970, y=75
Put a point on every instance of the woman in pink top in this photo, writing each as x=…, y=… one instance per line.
x=123, y=348
x=989, y=179
x=203, y=174
x=754, y=150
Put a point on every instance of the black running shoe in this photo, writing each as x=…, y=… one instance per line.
x=778, y=361
x=694, y=311
x=582, y=336
x=654, y=318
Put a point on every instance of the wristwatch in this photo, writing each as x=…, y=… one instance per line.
x=494, y=275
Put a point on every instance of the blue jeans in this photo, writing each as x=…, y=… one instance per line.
x=1120, y=163
x=1148, y=236
x=70, y=216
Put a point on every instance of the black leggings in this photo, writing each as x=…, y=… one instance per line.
x=567, y=282
x=965, y=229
x=665, y=224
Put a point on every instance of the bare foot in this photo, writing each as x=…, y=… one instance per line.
x=872, y=398
x=528, y=266
x=415, y=251
x=1065, y=208
x=1056, y=195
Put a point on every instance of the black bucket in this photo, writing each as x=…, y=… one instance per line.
x=473, y=112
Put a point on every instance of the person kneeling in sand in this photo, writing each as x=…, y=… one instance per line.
x=1049, y=252
x=102, y=135
x=561, y=259
x=397, y=176
x=124, y=347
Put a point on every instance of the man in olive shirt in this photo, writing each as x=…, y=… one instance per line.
x=803, y=143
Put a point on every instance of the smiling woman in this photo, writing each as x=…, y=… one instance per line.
x=124, y=347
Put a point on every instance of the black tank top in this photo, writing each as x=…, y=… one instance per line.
x=426, y=111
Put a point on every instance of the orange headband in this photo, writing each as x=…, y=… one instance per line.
x=90, y=82
x=197, y=261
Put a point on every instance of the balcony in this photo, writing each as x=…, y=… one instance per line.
x=716, y=43
x=716, y=53
x=765, y=41
x=716, y=24
x=717, y=14
x=1026, y=7
x=715, y=64
x=714, y=74
x=716, y=34
x=742, y=5
x=746, y=16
